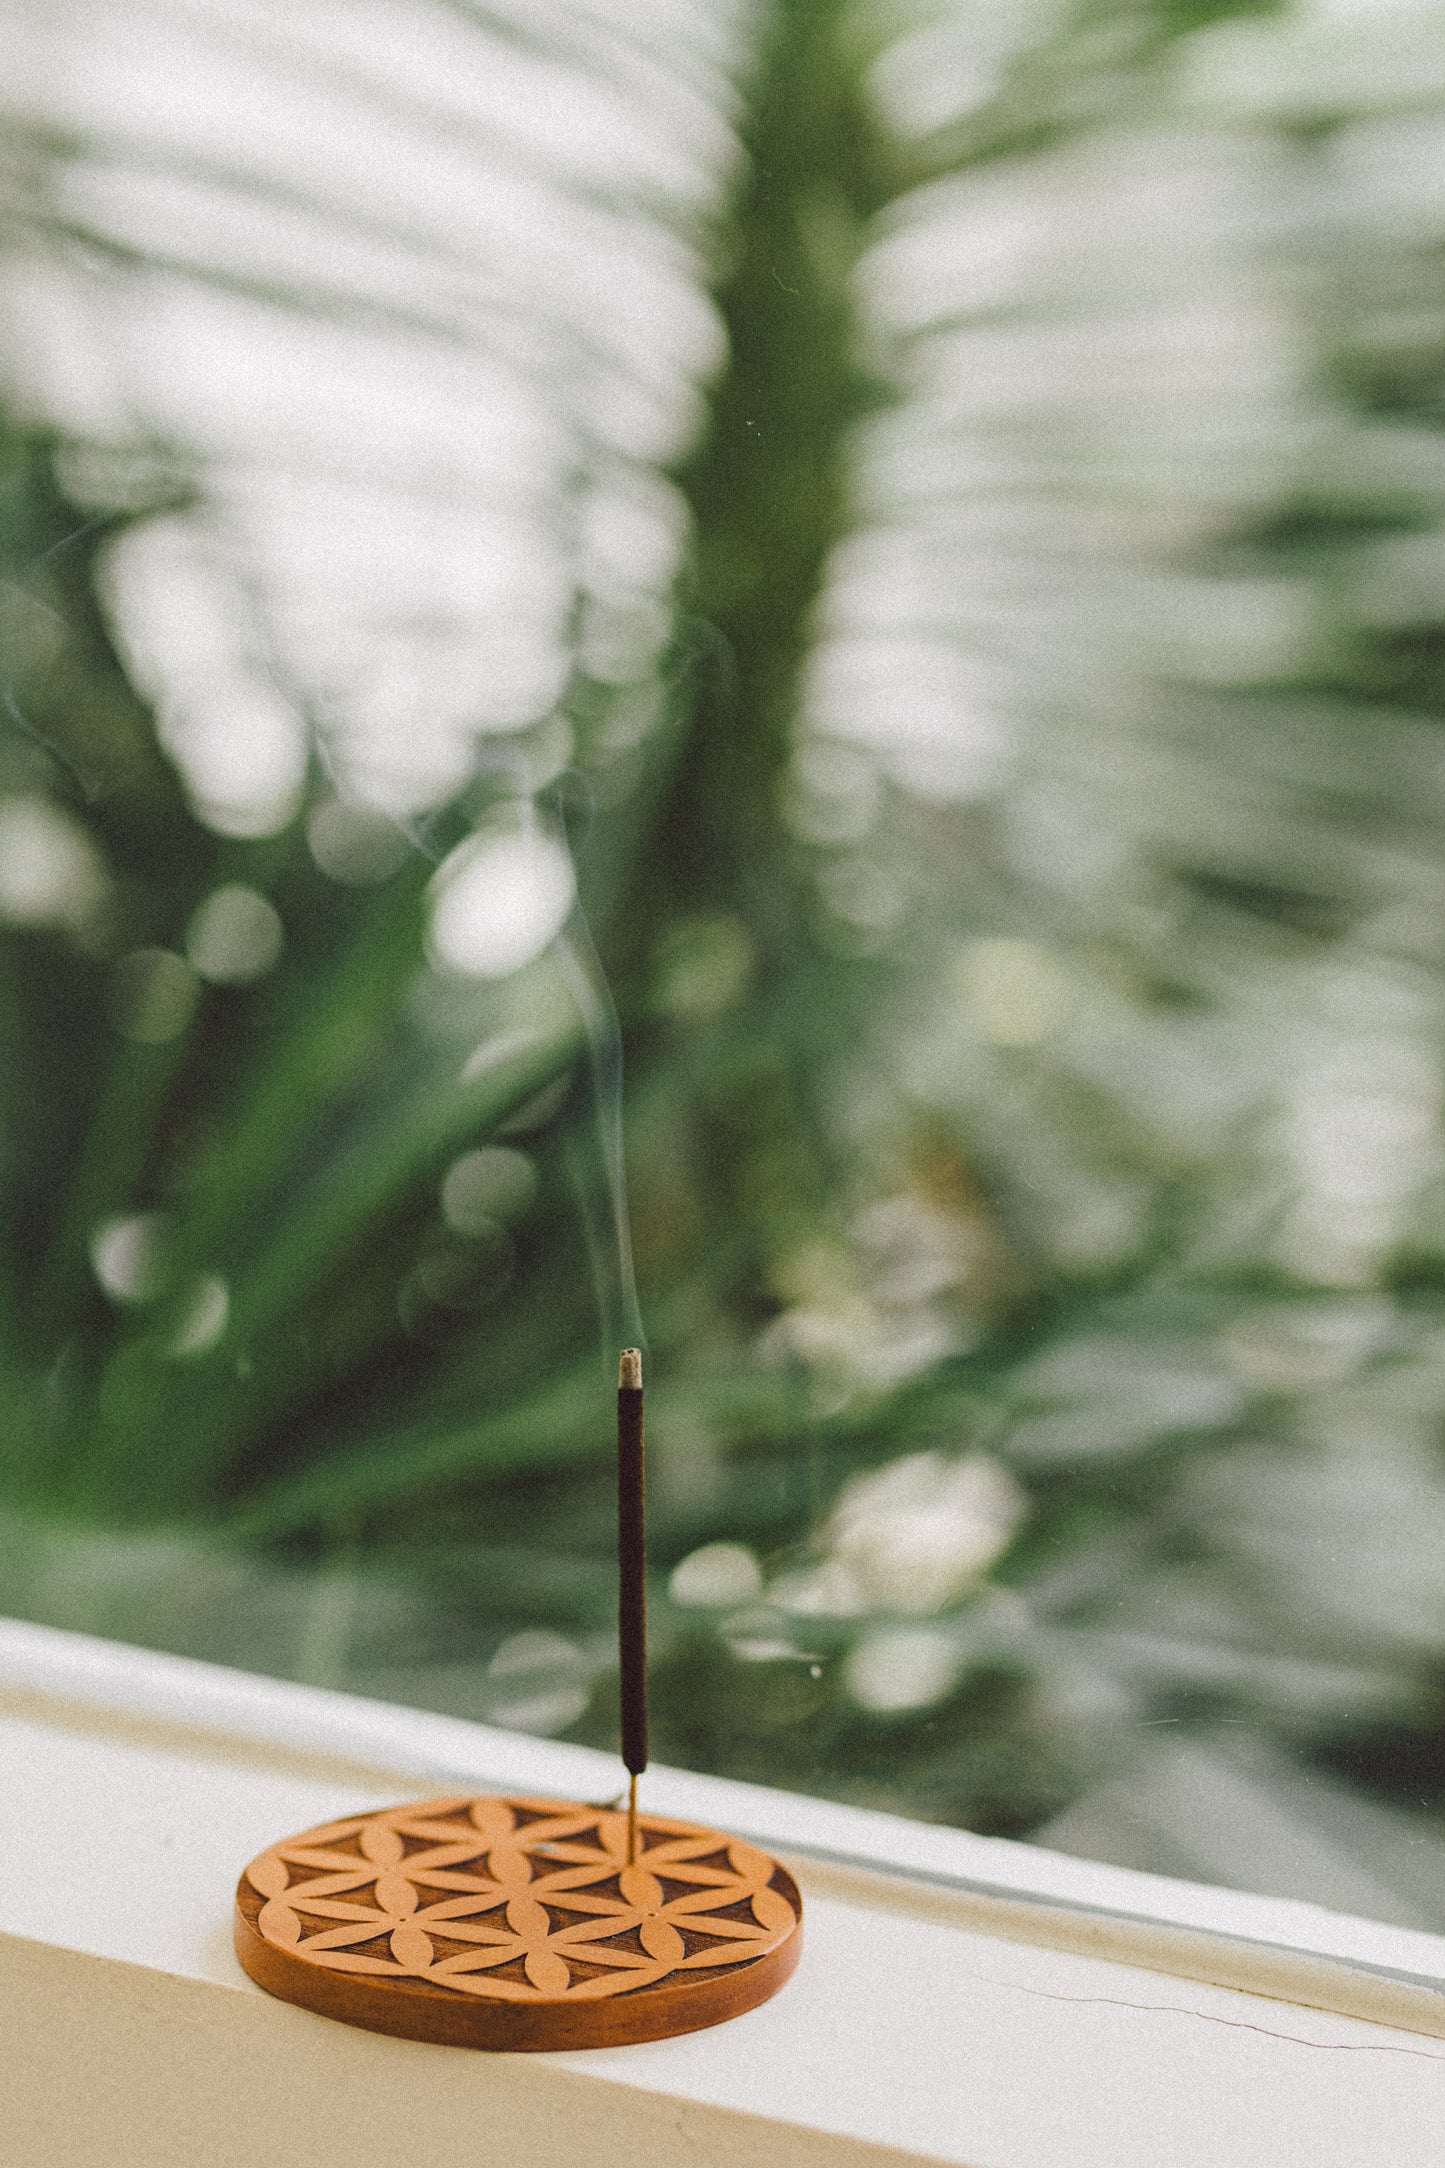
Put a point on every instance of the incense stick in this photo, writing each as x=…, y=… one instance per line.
x=631, y=1581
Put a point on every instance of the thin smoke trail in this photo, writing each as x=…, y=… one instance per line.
x=619, y=1311
x=701, y=649
x=601, y=1262
x=582, y=969
x=84, y=786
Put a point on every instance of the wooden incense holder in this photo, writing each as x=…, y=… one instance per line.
x=518, y=1923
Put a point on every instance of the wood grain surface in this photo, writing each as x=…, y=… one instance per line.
x=518, y=1924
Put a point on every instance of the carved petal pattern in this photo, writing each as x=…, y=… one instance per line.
x=519, y=1900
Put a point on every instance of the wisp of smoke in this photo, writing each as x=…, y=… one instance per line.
x=607, y=1231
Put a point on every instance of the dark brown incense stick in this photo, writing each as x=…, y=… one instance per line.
x=631, y=1580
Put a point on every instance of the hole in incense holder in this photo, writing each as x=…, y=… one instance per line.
x=518, y=1924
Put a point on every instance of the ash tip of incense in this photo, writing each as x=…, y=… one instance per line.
x=629, y=1369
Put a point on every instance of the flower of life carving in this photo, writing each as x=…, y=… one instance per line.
x=480, y=1904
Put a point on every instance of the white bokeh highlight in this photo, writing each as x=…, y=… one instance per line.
x=498, y=901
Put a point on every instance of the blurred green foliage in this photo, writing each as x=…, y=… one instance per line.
x=1006, y=1401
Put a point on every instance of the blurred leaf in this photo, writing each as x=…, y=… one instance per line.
x=932, y=513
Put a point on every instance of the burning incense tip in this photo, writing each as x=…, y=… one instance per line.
x=629, y=1370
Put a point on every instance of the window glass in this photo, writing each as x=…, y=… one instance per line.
x=766, y=680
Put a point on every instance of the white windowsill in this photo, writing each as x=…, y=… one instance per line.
x=960, y=1998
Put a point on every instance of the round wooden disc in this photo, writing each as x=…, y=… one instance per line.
x=518, y=1923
